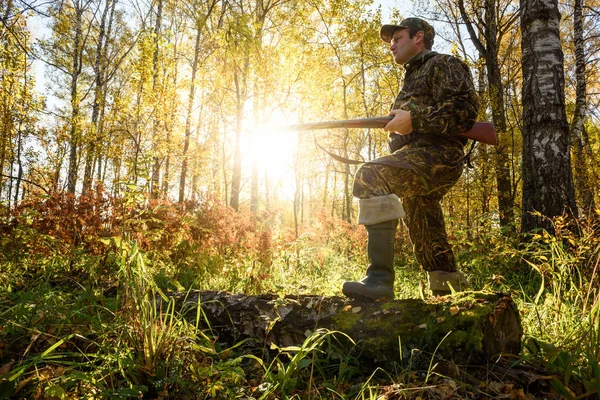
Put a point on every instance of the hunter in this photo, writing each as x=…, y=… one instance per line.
x=437, y=102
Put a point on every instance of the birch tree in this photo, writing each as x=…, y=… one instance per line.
x=547, y=179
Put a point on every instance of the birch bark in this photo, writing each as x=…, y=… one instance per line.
x=548, y=189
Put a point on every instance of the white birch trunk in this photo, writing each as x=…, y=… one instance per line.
x=547, y=178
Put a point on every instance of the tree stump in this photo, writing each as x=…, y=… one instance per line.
x=467, y=328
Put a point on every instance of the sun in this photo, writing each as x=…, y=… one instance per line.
x=272, y=149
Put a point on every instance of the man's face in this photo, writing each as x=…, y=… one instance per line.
x=403, y=47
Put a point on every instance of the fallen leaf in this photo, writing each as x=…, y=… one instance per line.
x=6, y=367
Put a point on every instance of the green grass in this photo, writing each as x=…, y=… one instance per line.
x=102, y=326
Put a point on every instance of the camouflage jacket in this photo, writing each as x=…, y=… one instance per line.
x=439, y=93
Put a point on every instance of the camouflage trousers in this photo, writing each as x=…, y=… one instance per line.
x=420, y=177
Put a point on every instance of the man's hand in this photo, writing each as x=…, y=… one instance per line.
x=402, y=122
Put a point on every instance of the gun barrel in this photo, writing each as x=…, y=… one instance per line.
x=483, y=132
x=375, y=122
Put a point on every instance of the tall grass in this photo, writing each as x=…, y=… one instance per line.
x=97, y=321
x=294, y=366
x=563, y=317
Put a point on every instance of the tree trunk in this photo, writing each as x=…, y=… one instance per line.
x=483, y=155
x=347, y=203
x=489, y=51
x=7, y=120
x=3, y=147
x=104, y=143
x=325, y=188
x=97, y=102
x=258, y=110
x=267, y=191
x=224, y=168
x=466, y=328
x=501, y=160
x=75, y=131
x=547, y=178
x=19, y=164
x=583, y=178
x=154, y=185
x=188, y=118
x=137, y=137
x=236, y=178
x=335, y=176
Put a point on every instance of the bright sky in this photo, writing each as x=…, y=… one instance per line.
x=271, y=149
x=386, y=5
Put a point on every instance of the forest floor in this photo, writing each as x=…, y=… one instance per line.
x=79, y=317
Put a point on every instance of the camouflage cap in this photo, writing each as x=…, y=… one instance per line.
x=416, y=24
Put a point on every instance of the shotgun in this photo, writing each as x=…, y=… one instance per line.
x=483, y=132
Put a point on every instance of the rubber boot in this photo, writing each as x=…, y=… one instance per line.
x=379, y=280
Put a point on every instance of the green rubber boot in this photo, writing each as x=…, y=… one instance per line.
x=379, y=280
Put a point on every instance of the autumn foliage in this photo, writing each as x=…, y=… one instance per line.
x=62, y=223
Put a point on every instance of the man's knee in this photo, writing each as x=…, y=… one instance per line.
x=362, y=178
x=368, y=182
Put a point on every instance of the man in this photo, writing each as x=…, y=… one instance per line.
x=437, y=101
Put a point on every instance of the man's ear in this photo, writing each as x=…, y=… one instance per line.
x=419, y=37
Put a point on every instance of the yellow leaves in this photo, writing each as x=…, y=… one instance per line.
x=353, y=310
x=505, y=390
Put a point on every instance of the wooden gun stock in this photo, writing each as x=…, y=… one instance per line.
x=483, y=132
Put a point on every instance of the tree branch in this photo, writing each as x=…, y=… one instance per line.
x=463, y=13
x=26, y=181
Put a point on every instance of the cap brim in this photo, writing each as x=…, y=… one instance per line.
x=387, y=32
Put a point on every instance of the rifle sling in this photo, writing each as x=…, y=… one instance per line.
x=339, y=158
x=383, y=160
x=392, y=163
x=467, y=157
